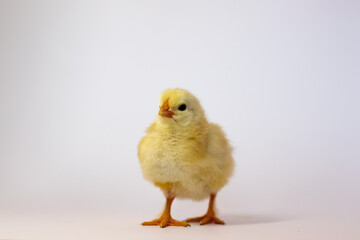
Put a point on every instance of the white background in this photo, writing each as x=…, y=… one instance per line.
x=80, y=82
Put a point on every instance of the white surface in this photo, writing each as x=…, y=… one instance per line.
x=79, y=83
x=105, y=226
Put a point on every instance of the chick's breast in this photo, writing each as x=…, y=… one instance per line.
x=163, y=159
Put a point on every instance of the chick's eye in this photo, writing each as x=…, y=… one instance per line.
x=182, y=107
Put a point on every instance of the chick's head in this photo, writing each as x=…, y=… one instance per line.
x=179, y=107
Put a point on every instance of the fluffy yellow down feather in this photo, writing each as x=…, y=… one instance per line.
x=183, y=154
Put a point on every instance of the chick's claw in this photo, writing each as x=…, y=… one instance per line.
x=206, y=219
x=164, y=222
x=151, y=223
x=173, y=222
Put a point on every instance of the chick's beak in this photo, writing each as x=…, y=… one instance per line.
x=165, y=110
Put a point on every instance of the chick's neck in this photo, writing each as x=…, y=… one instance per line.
x=195, y=132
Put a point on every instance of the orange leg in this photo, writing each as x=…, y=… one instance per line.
x=210, y=216
x=166, y=219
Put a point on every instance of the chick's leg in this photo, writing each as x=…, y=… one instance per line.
x=166, y=219
x=210, y=216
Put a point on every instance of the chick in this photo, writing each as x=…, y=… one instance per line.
x=185, y=156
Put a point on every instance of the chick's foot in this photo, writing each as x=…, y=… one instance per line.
x=210, y=216
x=165, y=221
x=206, y=219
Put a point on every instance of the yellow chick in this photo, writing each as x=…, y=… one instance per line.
x=185, y=156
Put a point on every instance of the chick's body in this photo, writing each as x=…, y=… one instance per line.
x=182, y=153
x=190, y=163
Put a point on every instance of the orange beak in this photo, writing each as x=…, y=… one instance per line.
x=164, y=110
